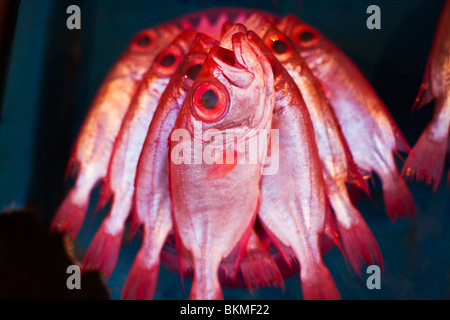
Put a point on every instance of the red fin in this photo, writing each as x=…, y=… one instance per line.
x=400, y=142
x=258, y=267
x=360, y=245
x=286, y=252
x=330, y=229
x=426, y=160
x=218, y=171
x=73, y=167
x=355, y=177
x=105, y=195
x=236, y=255
x=70, y=216
x=134, y=220
x=398, y=198
x=319, y=285
x=425, y=95
x=103, y=251
x=141, y=281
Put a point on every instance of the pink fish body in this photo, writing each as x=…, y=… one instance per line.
x=337, y=162
x=92, y=151
x=104, y=249
x=294, y=216
x=152, y=206
x=214, y=215
x=426, y=159
x=371, y=133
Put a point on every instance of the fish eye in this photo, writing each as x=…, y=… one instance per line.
x=280, y=46
x=191, y=68
x=168, y=60
x=193, y=71
x=144, y=41
x=210, y=102
x=306, y=36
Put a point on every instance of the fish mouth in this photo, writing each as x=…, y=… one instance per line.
x=241, y=69
x=232, y=68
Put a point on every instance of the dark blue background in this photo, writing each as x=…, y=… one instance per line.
x=54, y=74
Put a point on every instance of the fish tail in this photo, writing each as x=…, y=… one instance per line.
x=397, y=196
x=258, y=266
x=142, y=279
x=357, y=239
x=318, y=284
x=103, y=251
x=70, y=215
x=426, y=160
x=360, y=245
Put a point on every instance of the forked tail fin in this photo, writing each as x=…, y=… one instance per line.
x=103, y=251
x=397, y=196
x=70, y=215
x=426, y=160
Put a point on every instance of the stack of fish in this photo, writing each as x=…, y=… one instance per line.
x=171, y=135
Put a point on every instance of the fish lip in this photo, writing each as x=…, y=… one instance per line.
x=236, y=73
x=217, y=54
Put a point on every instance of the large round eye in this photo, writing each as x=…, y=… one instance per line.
x=280, y=46
x=306, y=36
x=210, y=102
x=144, y=41
x=168, y=60
x=191, y=67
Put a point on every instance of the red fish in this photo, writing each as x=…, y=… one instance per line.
x=426, y=159
x=92, y=151
x=152, y=206
x=213, y=216
x=366, y=124
x=211, y=21
x=104, y=249
x=337, y=162
x=294, y=216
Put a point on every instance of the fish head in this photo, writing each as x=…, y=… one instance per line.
x=146, y=45
x=278, y=49
x=308, y=40
x=169, y=59
x=233, y=92
x=195, y=58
